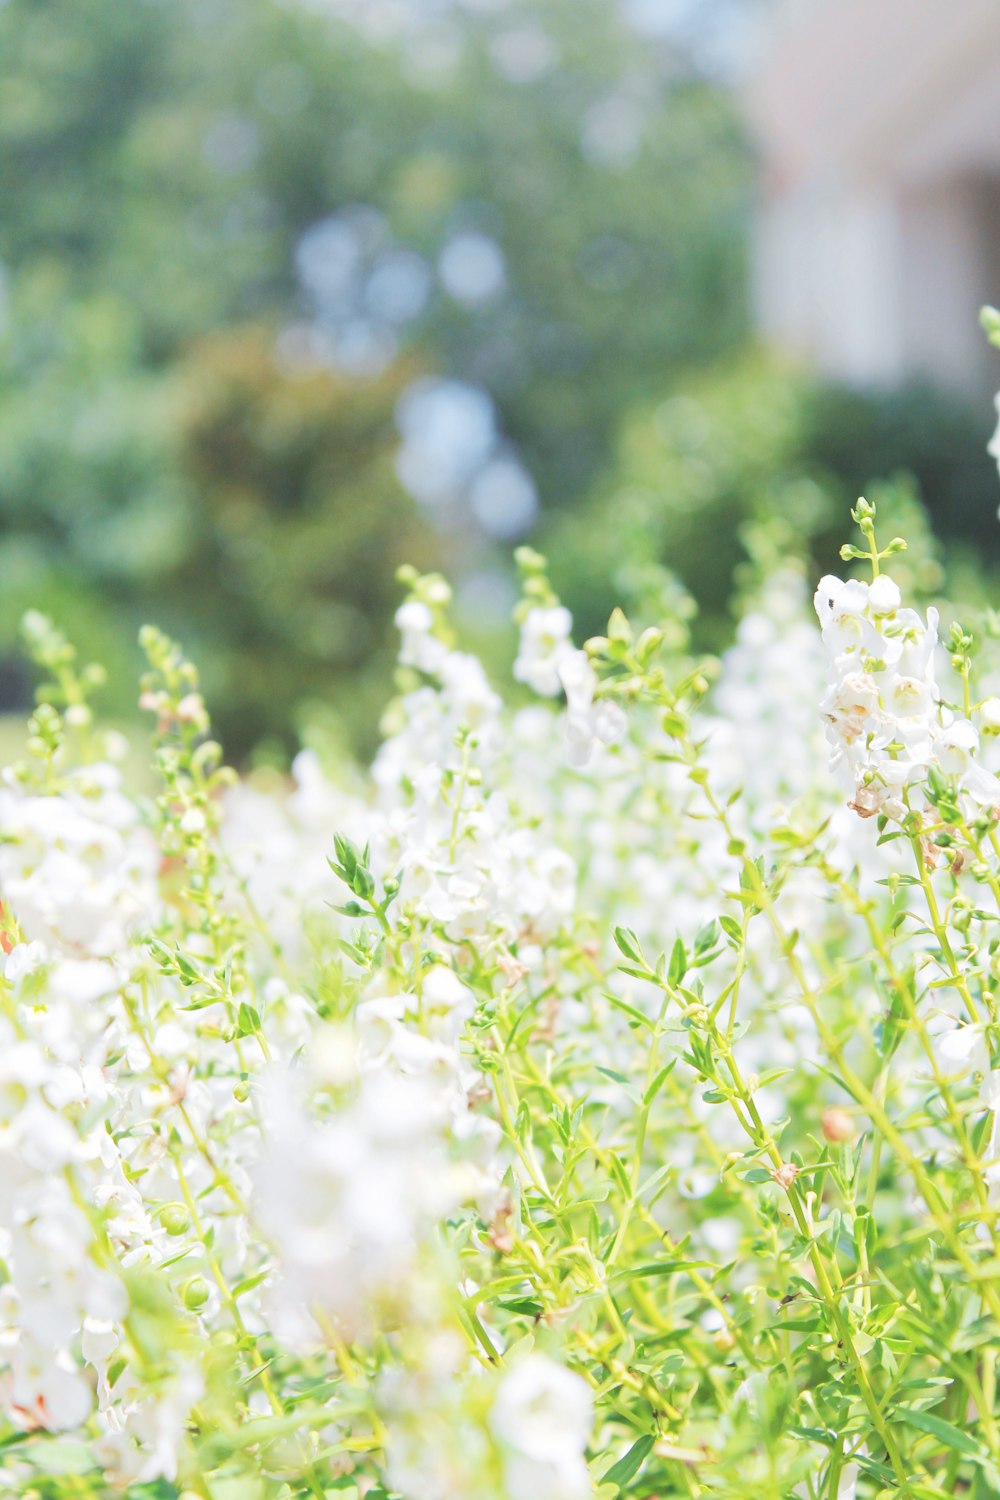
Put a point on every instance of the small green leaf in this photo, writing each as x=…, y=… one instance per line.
x=249, y=1282
x=732, y=929
x=247, y=1020
x=630, y=1463
x=657, y=1083
x=627, y=943
x=667, y=1268
x=946, y=1432
x=636, y=1017
x=706, y=937
x=528, y=1306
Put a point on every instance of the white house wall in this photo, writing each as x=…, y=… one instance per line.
x=878, y=231
x=826, y=286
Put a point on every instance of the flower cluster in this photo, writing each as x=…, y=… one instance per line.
x=585, y=1101
x=370, y=1142
x=886, y=721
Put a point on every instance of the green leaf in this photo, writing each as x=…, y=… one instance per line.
x=875, y=1470
x=678, y=963
x=623, y=1083
x=62, y=1456
x=635, y=1016
x=635, y=973
x=347, y=853
x=946, y=1432
x=667, y=1268
x=249, y=1282
x=732, y=929
x=247, y=1020
x=627, y=943
x=630, y=1463
x=528, y=1306
x=706, y=937
x=657, y=1083
x=655, y=1180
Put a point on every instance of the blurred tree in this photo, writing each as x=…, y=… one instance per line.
x=249, y=506
x=94, y=510
x=290, y=578
x=924, y=431
x=758, y=442
x=551, y=209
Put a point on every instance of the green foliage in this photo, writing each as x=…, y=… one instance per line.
x=712, y=1211
x=756, y=459
x=158, y=166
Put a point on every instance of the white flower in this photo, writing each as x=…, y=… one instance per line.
x=347, y=1199
x=989, y=714
x=847, y=1485
x=77, y=870
x=963, y=1050
x=853, y=710
x=957, y=746
x=24, y=959
x=841, y=608
x=145, y=1427
x=587, y=722
x=881, y=707
x=46, y=1390
x=545, y=643
x=542, y=1416
x=751, y=1392
x=467, y=688
x=883, y=596
x=993, y=446
x=193, y=821
x=419, y=647
x=447, y=1003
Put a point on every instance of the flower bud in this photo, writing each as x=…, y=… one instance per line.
x=195, y=1293
x=837, y=1125
x=193, y=821
x=175, y=1218
x=191, y=709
